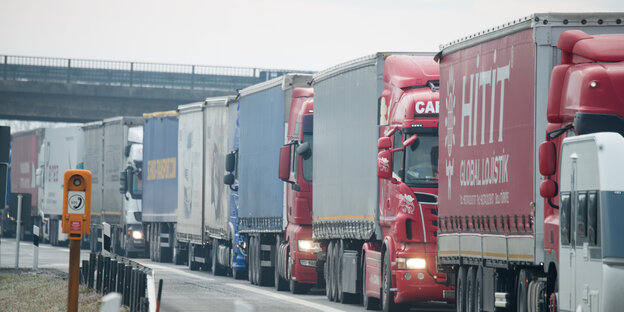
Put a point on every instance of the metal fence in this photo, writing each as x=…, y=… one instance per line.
x=133, y=74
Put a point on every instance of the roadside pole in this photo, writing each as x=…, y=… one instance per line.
x=36, y=247
x=74, y=275
x=18, y=230
x=76, y=222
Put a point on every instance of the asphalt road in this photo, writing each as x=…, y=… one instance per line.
x=185, y=290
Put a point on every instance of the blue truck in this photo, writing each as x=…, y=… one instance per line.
x=160, y=183
x=263, y=111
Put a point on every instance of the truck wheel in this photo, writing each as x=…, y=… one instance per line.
x=521, y=291
x=478, y=293
x=339, y=250
x=329, y=287
x=217, y=269
x=250, y=262
x=460, y=290
x=178, y=257
x=369, y=303
x=470, y=289
x=387, y=297
x=192, y=265
x=280, y=283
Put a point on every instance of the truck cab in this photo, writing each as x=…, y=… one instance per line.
x=408, y=172
x=591, y=251
x=297, y=258
x=131, y=187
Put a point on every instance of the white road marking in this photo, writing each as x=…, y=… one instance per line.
x=294, y=300
x=156, y=267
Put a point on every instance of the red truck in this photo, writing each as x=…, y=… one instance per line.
x=375, y=180
x=296, y=258
x=503, y=92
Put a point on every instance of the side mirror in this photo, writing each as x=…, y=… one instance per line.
x=548, y=188
x=384, y=143
x=304, y=150
x=547, y=158
x=123, y=182
x=228, y=179
x=410, y=140
x=384, y=165
x=284, y=162
x=135, y=184
x=230, y=161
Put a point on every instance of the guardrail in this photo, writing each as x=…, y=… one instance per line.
x=133, y=74
x=111, y=273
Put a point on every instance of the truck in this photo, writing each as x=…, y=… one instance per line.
x=263, y=121
x=375, y=201
x=160, y=183
x=296, y=254
x=114, y=155
x=24, y=164
x=207, y=226
x=191, y=242
x=61, y=150
x=514, y=99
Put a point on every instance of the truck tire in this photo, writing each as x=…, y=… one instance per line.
x=478, y=301
x=250, y=262
x=192, y=265
x=460, y=290
x=217, y=269
x=280, y=283
x=329, y=287
x=521, y=291
x=470, y=289
x=178, y=257
x=338, y=272
x=369, y=303
x=387, y=297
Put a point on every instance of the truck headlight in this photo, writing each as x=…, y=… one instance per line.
x=305, y=245
x=411, y=263
x=137, y=234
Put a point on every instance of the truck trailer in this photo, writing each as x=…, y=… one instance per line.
x=62, y=149
x=509, y=96
x=373, y=213
x=25, y=147
x=221, y=211
x=160, y=183
x=114, y=155
x=263, y=120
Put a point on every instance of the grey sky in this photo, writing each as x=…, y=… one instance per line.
x=295, y=34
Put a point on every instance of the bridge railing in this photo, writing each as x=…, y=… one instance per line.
x=133, y=74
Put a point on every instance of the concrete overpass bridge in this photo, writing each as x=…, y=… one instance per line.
x=77, y=90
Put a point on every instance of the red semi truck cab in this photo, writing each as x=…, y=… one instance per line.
x=297, y=258
x=408, y=172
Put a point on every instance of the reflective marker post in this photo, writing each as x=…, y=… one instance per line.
x=76, y=222
x=36, y=248
x=18, y=229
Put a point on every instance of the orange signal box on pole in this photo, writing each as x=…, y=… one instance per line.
x=76, y=221
x=77, y=203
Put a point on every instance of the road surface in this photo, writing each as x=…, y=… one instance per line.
x=185, y=290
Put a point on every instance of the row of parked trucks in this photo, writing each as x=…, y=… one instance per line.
x=489, y=178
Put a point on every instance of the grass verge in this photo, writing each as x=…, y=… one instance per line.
x=41, y=291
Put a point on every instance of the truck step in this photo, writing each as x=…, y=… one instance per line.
x=501, y=300
x=265, y=263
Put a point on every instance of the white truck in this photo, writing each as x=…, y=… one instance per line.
x=591, y=250
x=114, y=155
x=61, y=150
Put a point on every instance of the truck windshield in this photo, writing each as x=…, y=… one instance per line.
x=421, y=161
x=307, y=163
